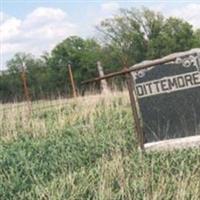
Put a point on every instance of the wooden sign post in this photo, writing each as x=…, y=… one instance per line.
x=135, y=110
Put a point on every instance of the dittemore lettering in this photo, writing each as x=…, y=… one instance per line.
x=168, y=84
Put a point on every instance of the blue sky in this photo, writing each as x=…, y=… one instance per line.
x=37, y=26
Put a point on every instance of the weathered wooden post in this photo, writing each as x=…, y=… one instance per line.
x=138, y=129
x=103, y=82
x=25, y=85
x=24, y=81
x=72, y=79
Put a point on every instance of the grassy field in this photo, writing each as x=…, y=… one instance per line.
x=85, y=149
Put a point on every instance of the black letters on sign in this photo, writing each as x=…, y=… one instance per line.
x=169, y=100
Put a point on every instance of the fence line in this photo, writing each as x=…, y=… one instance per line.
x=51, y=104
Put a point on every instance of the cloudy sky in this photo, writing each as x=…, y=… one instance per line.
x=38, y=25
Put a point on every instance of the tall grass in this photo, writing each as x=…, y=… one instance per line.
x=85, y=149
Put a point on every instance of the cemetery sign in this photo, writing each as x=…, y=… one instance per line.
x=164, y=95
x=168, y=98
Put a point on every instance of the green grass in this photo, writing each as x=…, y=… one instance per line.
x=85, y=149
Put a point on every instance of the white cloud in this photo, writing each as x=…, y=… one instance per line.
x=161, y=7
x=9, y=28
x=107, y=10
x=44, y=15
x=3, y=17
x=110, y=7
x=37, y=32
x=190, y=13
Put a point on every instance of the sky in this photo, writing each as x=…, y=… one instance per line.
x=36, y=26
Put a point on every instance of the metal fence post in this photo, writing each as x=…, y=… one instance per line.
x=135, y=110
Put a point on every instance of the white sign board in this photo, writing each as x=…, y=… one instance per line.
x=168, y=84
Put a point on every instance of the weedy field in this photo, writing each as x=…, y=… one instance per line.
x=85, y=149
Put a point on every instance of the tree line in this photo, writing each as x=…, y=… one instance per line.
x=130, y=36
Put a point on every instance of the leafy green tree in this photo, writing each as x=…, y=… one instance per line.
x=151, y=23
x=176, y=35
x=196, y=39
x=36, y=75
x=13, y=86
x=82, y=54
x=123, y=37
x=19, y=61
x=139, y=34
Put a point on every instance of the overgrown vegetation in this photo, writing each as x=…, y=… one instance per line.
x=86, y=149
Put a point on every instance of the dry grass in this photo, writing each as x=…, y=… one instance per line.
x=17, y=117
x=85, y=149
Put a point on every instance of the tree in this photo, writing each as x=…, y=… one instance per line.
x=176, y=35
x=17, y=77
x=151, y=23
x=83, y=55
x=196, y=39
x=136, y=35
x=124, y=37
x=19, y=61
x=36, y=75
